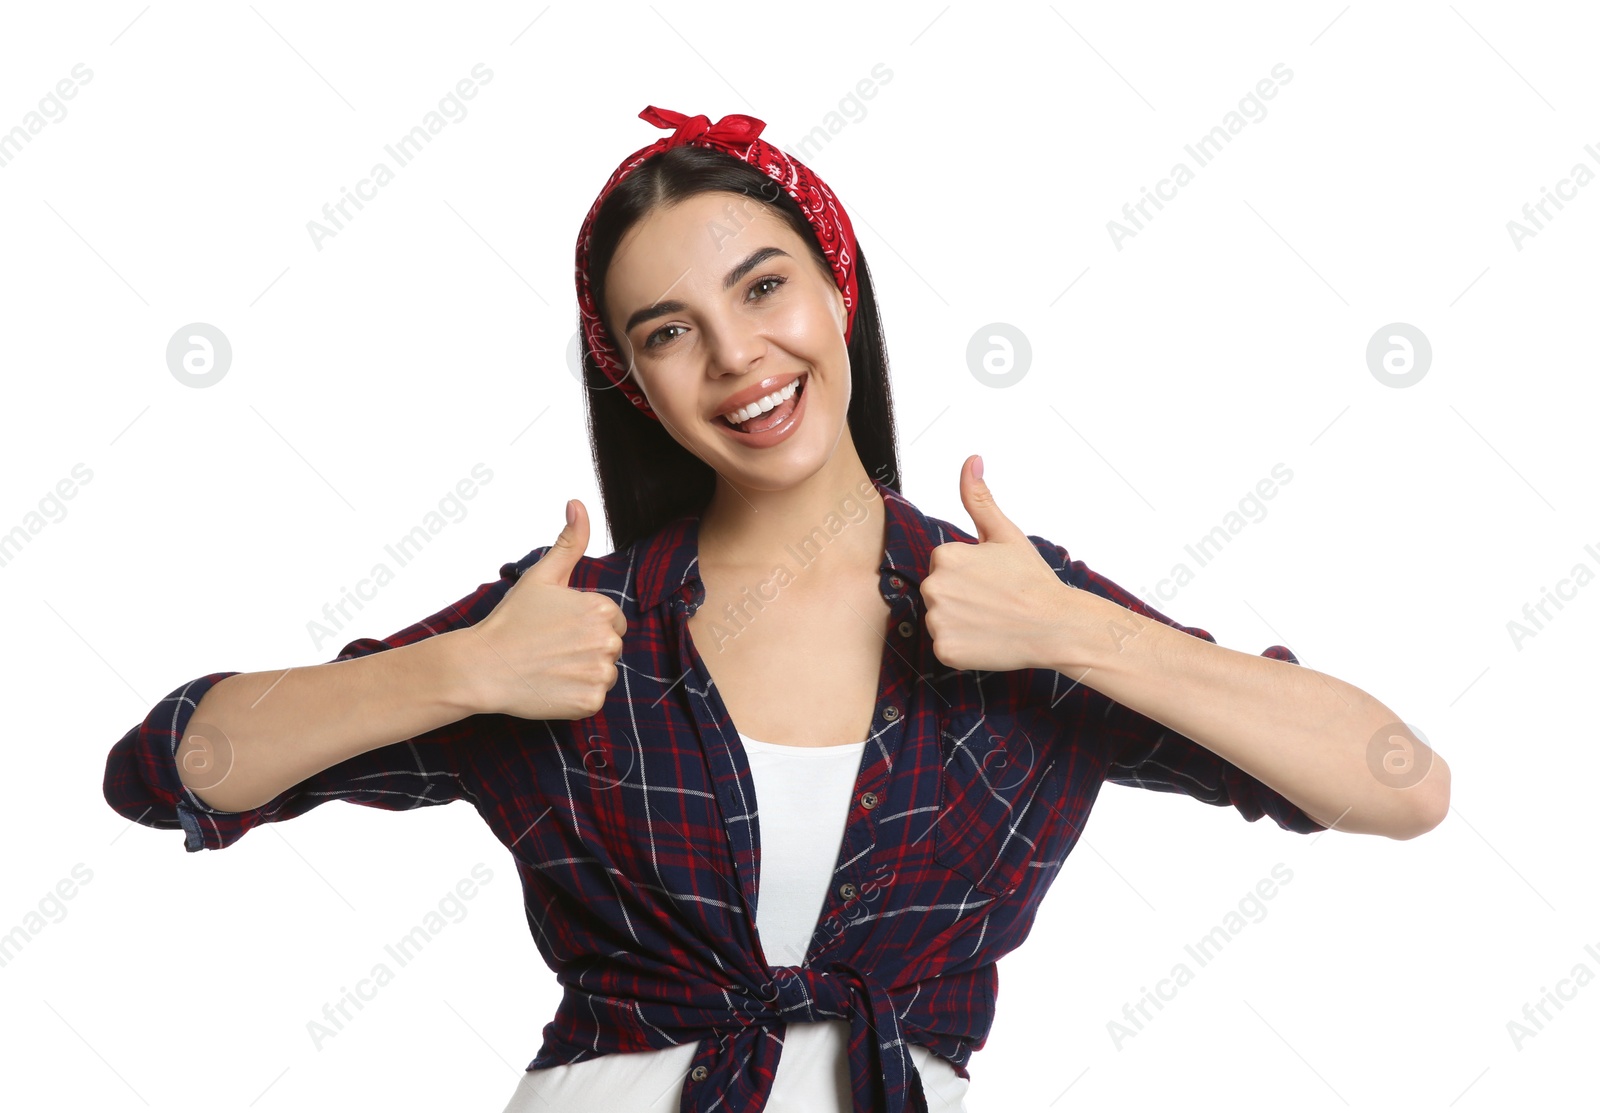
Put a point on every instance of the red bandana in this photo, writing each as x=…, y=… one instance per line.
x=736, y=135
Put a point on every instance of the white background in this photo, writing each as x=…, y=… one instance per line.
x=1227, y=336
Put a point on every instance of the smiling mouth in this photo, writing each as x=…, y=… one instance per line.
x=774, y=417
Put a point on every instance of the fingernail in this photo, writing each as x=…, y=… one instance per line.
x=977, y=468
x=572, y=513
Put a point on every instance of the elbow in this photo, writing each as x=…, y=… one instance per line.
x=124, y=791
x=1428, y=801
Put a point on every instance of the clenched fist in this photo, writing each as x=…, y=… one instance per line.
x=547, y=651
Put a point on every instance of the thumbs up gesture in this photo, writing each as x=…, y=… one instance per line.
x=546, y=651
x=995, y=606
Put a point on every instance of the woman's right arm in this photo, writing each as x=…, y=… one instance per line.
x=253, y=735
x=385, y=724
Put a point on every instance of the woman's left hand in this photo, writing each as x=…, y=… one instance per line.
x=997, y=606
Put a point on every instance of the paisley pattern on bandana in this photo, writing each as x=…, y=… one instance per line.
x=737, y=135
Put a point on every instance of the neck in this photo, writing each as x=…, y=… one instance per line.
x=833, y=520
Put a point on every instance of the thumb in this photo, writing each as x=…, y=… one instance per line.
x=556, y=566
x=979, y=501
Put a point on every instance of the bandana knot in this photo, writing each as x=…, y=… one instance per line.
x=732, y=131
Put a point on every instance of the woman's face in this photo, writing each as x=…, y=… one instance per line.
x=716, y=301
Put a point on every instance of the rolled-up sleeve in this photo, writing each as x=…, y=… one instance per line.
x=1143, y=753
x=142, y=780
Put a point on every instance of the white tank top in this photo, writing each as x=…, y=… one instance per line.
x=802, y=802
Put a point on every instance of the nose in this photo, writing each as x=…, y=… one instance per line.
x=733, y=345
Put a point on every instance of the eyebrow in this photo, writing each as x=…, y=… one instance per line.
x=663, y=308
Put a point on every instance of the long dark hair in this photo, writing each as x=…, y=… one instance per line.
x=647, y=479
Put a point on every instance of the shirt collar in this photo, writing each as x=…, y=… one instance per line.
x=669, y=561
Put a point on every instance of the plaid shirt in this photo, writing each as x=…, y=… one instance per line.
x=635, y=831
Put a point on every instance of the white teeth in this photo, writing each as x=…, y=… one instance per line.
x=762, y=405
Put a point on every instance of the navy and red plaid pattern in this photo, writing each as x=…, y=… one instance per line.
x=636, y=836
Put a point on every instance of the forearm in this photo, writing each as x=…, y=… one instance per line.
x=1306, y=735
x=256, y=734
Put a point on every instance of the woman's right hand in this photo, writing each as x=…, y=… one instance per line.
x=546, y=651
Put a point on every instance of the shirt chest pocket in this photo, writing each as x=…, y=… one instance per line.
x=995, y=798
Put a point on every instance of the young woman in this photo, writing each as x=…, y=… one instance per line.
x=786, y=773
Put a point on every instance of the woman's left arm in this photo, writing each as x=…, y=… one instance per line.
x=1328, y=747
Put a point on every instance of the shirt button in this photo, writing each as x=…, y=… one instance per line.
x=699, y=1074
x=891, y=713
x=906, y=629
x=869, y=800
x=896, y=582
x=847, y=890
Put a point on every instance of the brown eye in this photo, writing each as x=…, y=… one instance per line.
x=655, y=339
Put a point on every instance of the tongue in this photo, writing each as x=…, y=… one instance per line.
x=775, y=416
